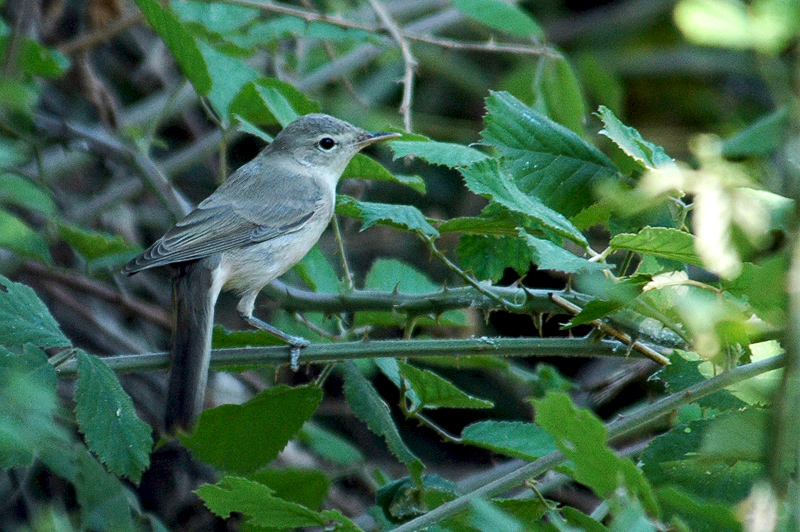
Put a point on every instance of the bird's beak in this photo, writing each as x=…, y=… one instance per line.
x=372, y=138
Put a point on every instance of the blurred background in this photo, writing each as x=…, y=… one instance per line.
x=86, y=87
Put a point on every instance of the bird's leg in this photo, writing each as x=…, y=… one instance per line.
x=296, y=343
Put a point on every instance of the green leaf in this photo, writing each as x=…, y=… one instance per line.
x=28, y=429
x=277, y=28
x=229, y=76
x=764, y=287
x=368, y=406
x=699, y=515
x=17, y=236
x=22, y=192
x=511, y=438
x=244, y=438
x=403, y=217
x=288, y=26
x=760, y=138
x=180, y=43
x=25, y=319
x=248, y=127
x=488, y=257
x=259, y=99
x=331, y=32
x=443, y=153
x=307, y=487
x=18, y=97
x=581, y=436
x=486, y=517
x=338, y=521
x=257, y=503
x=104, y=501
x=363, y=167
x=559, y=95
x=646, y=154
x=434, y=391
x=107, y=418
x=318, y=273
x=99, y=250
x=486, y=179
x=36, y=60
x=737, y=435
x=329, y=446
x=674, y=459
x=218, y=17
x=387, y=275
x=683, y=371
x=610, y=296
x=549, y=256
x=629, y=516
x=278, y=105
x=404, y=499
x=664, y=242
x=546, y=160
x=481, y=225
x=577, y=518
x=501, y=16
x=391, y=274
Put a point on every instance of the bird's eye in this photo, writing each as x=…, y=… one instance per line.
x=327, y=143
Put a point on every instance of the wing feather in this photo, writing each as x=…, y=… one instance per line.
x=226, y=221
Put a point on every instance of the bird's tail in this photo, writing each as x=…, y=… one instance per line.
x=193, y=297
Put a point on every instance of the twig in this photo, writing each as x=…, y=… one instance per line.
x=487, y=47
x=102, y=333
x=109, y=146
x=586, y=347
x=464, y=275
x=409, y=63
x=152, y=313
x=348, y=275
x=101, y=35
x=612, y=331
x=617, y=429
x=308, y=16
x=25, y=17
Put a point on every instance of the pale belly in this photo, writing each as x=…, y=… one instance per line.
x=250, y=268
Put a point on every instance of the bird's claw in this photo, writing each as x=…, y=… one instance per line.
x=294, y=351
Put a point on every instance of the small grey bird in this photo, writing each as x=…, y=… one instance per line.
x=258, y=224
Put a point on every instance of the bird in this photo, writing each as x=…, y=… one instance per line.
x=252, y=229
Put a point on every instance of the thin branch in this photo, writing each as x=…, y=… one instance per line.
x=104, y=34
x=336, y=352
x=152, y=313
x=409, y=63
x=111, y=147
x=487, y=47
x=348, y=275
x=464, y=275
x=617, y=429
x=308, y=16
x=613, y=332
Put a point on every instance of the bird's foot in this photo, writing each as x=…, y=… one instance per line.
x=296, y=343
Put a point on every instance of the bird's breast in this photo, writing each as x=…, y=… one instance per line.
x=250, y=268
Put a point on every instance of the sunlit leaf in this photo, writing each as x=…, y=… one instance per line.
x=648, y=155
x=546, y=160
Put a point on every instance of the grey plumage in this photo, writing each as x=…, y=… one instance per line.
x=259, y=223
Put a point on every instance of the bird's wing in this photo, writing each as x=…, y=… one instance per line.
x=221, y=223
